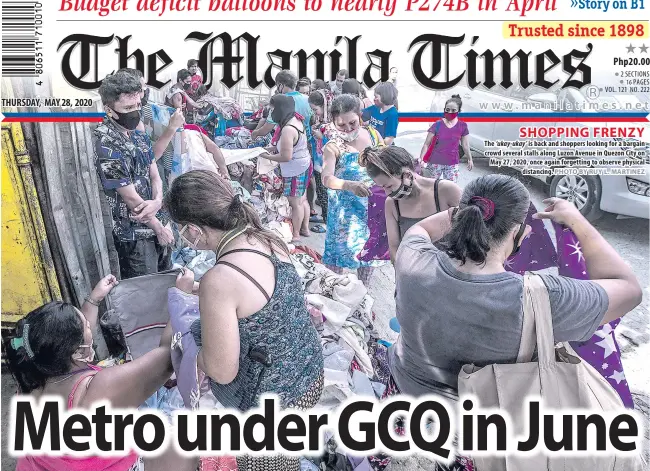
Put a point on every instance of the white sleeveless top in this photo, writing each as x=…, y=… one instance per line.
x=300, y=159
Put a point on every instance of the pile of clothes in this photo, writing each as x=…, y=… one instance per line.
x=341, y=309
x=241, y=138
x=267, y=196
x=225, y=106
x=218, y=114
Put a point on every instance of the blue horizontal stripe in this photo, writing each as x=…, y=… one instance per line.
x=54, y=115
x=530, y=115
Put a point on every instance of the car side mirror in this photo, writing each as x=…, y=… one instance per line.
x=543, y=97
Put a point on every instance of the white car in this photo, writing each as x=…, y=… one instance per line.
x=592, y=194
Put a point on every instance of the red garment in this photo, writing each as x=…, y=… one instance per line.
x=196, y=82
x=197, y=128
x=278, y=130
x=221, y=463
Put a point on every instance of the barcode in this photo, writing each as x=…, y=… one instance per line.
x=21, y=42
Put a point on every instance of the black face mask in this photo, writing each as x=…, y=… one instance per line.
x=145, y=98
x=520, y=233
x=187, y=86
x=128, y=120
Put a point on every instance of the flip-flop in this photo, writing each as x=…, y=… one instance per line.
x=318, y=229
x=315, y=218
x=394, y=325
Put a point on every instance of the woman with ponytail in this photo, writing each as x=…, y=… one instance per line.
x=255, y=331
x=50, y=353
x=459, y=305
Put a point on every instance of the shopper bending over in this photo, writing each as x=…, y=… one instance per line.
x=411, y=198
x=50, y=353
x=251, y=304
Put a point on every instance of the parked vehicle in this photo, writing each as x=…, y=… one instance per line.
x=592, y=194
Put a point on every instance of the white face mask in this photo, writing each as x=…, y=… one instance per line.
x=188, y=242
x=349, y=136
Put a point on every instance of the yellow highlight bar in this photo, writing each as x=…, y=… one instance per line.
x=628, y=30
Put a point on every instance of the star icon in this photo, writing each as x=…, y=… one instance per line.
x=630, y=48
x=605, y=366
x=643, y=48
x=604, y=331
x=618, y=376
x=578, y=250
x=608, y=345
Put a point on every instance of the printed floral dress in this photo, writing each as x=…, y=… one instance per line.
x=347, y=215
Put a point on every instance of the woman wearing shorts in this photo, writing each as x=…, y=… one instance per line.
x=452, y=133
x=292, y=153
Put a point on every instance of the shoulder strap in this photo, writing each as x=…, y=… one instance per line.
x=537, y=312
x=247, y=250
x=435, y=194
x=399, y=216
x=250, y=278
x=299, y=131
x=76, y=386
x=374, y=135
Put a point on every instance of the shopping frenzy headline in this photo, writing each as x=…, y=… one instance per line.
x=237, y=60
x=360, y=426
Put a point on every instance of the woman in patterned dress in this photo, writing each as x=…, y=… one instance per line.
x=348, y=183
x=254, y=331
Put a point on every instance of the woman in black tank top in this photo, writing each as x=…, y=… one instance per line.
x=411, y=197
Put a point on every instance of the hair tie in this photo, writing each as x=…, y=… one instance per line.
x=485, y=205
x=23, y=341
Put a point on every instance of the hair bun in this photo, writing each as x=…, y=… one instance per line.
x=455, y=96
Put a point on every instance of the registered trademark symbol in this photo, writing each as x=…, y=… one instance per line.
x=592, y=91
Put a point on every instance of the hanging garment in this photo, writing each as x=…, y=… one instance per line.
x=347, y=218
x=601, y=351
x=141, y=306
x=184, y=311
x=376, y=247
x=538, y=252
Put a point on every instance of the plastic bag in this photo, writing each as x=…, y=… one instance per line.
x=200, y=264
x=113, y=334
